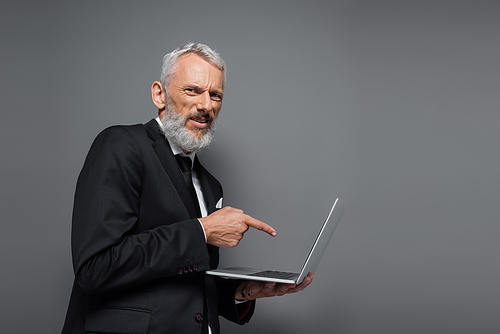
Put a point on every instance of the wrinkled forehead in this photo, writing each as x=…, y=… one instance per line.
x=192, y=69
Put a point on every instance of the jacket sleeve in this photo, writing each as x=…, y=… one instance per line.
x=109, y=251
x=237, y=313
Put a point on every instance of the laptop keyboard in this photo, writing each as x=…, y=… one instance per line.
x=276, y=274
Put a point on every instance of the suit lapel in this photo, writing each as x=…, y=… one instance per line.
x=206, y=186
x=164, y=153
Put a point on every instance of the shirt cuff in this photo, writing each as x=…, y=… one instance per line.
x=203, y=230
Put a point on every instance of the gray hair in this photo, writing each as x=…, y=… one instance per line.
x=170, y=61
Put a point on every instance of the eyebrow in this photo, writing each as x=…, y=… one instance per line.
x=217, y=91
x=199, y=88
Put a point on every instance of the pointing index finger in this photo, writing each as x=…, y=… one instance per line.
x=257, y=224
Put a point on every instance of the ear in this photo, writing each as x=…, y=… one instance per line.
x=159, y=95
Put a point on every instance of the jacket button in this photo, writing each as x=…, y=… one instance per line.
x=198, y=317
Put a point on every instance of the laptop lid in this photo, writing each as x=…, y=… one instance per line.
x=322, y=240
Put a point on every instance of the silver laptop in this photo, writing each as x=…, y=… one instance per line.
x=312, y=261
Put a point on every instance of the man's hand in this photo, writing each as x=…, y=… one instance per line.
x=225, y=227
x=251, y=290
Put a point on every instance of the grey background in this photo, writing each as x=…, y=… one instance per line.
x=390, y=105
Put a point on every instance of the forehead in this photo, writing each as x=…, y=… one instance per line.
x=192, y=69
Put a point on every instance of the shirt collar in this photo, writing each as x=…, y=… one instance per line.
x=176, y=149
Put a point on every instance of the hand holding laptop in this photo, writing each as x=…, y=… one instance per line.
x=251, y=290
x=225, y=227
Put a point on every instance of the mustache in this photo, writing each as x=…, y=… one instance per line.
x=196, y=115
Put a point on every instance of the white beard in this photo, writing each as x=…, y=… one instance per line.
x=175, y=130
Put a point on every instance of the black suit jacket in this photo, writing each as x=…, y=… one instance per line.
x=139, y=253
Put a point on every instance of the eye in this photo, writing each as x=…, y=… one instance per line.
x=216, y=97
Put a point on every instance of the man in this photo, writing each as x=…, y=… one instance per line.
x=145, y=220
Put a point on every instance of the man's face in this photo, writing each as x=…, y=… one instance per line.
x=195, y=93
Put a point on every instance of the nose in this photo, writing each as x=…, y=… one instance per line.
x=204, y=102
